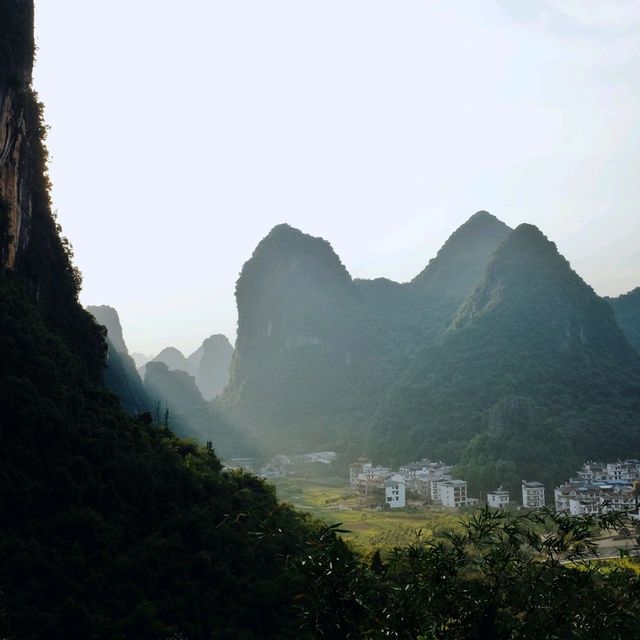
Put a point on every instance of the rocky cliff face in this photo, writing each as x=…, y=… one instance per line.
x=211, y=363
x=31, y=249
x=120, y=376
x=308, y=354
x=16, y=137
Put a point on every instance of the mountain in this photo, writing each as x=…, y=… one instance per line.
x=120, y=373
x=438, y=290
x=140, y=359
x=533, y=374
x=308, y=356
x=210, y=364
x=419, y=311
x=173, y=358
x=188, y=414
x=316, y=349
x=627, y=310
x=109, y=527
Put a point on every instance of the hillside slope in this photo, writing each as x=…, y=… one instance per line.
x=533, y=375
x=627, y=310
x=109, y=528
x=120, y=374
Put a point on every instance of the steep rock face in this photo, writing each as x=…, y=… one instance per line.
x=439, y=290
x=532, y=332
x=96, y=509
x=627, y=310
x=211, y=363
x=16, y=138
x=308, y=353
x=108, y=317
x=30, y=246
x=121, y=375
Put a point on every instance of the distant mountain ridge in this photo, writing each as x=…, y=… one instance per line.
x=120, y=373
x=209, y=364
x=535, y=343
x=436, y=366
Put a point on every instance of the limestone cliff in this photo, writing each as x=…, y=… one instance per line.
x=31, y=249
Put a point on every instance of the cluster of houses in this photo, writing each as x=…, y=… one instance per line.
x=427, y=480
x=600, y=487
x=431, y=482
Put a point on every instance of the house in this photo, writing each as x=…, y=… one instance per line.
x=532, y=494
x=355, y=469
x=578, y=498
x=394, y=491
x=498, y=499
x=453, y=493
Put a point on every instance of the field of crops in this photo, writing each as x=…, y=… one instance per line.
x=331, y=500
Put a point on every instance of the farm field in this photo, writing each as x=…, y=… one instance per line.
x=331, y=501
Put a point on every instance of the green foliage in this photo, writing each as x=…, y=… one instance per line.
x=190, y=416
x=111, y=526
x=533, y=376
x=498, y=578
x=627, y=310
x=316, y=349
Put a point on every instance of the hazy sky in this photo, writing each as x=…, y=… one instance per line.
x=181, y=132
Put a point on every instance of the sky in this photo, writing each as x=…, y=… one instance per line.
x=181, y=133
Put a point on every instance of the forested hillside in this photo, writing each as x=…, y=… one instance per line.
x=532, y=376
x=309, y=356
x=627, y=310
x=109, y=527
x=316, y=349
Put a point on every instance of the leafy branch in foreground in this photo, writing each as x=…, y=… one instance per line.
x=528, y=575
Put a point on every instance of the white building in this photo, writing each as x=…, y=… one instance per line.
x=453, y=493
x=532, y=494
x=579, y=498
x=498, y=498
x=394, y=491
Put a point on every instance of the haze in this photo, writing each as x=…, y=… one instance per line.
x=181, y=133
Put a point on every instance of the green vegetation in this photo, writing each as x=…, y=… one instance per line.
x=366, y=530
x=627, y=310
x=533, y=376
x=115, y=528
x=316, y=349
x=497, y=578
x=497, y=358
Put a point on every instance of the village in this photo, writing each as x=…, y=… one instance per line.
x=597, y=487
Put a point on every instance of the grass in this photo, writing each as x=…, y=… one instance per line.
x=331, y=500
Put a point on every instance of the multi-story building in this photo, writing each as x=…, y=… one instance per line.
x=394, y=491
x=579, y=498
x=498, y=499
x=418, y=476
x=532, y=494
x=453, y=493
